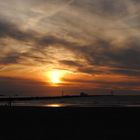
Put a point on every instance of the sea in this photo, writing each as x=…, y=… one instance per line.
x=92, y=101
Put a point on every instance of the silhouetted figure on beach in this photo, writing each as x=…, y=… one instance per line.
x=10, y=102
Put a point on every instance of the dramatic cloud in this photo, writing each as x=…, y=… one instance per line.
x=96, y=39
x=8, y=29
x=12, y=58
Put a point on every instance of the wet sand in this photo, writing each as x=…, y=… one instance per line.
x=43, y=123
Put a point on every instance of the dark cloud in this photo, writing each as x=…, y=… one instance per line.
x=103, y=53
x=126, y=72
x=108, y=8
x=71, y=63
x=128, y=58
x=9, y=29
x=25, y=58
x=91, y=70
x=10, y=58
x=106, y=83
x=81, y=67
x=45, y=41
x=120, y=58
x=137, y=1
x=112, y=7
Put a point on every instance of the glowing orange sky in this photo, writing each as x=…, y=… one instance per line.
x=92, y=44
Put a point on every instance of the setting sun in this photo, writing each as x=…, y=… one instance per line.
x=55, y=76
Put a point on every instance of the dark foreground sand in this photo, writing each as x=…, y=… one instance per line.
x=38, y=123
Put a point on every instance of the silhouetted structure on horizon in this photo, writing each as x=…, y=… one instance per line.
x=83, y=94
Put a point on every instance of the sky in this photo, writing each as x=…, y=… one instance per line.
x=91, y=45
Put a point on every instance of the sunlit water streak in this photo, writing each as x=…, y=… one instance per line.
x=54, y=105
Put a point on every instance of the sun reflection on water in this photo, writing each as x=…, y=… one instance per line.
x=55, y=105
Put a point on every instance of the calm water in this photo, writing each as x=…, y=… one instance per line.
x=82, y=102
